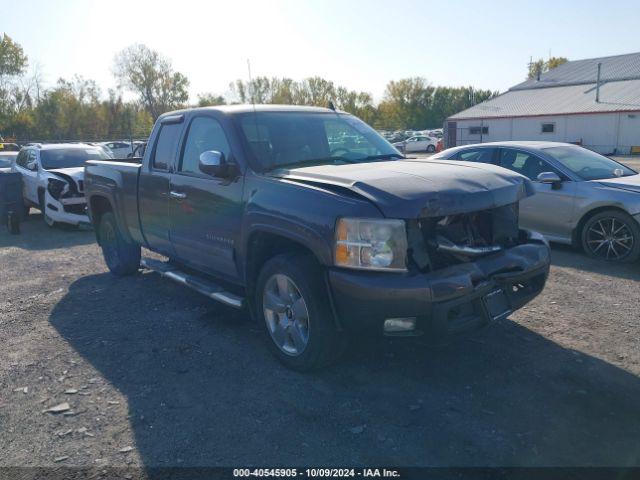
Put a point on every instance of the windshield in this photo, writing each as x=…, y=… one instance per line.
x=588, y=165
x=70, y=157
x=292, y=139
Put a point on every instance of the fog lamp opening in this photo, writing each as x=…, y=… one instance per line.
x=399, y=325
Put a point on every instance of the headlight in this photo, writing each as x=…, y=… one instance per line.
x=57, y=188
x=371, y=244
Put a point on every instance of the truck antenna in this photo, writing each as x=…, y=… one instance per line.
x=253, y=98
x=253, y=102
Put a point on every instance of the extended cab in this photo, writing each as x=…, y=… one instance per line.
x=316, y=224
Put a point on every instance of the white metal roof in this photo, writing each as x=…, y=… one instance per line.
x=618, y=67
x=614, y=97
x=569, y=88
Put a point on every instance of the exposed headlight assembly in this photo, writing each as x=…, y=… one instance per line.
x=372, y=244
x=57, y=188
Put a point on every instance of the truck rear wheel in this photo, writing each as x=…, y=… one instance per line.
x=122, y=257
x=293, y=307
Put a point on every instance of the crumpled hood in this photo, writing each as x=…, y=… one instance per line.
x=77, y=173
x=421, y=188
x=72, y=176
x=632, y=183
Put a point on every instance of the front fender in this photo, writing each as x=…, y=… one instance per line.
x=290, y=229
x=302, y=213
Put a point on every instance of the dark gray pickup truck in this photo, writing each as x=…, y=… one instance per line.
x=318, y=226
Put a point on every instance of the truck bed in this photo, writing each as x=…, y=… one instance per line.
x=117, y=181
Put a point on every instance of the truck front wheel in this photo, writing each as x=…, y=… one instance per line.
x=122, y=257
x=292, y=304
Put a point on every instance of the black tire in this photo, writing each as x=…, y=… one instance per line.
x=24, y=211
x=13, y=222
x=122, y=258
x=431, y=148
x=325, y=343
x=619, y=240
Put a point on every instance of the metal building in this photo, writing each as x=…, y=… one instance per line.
x=593, y=102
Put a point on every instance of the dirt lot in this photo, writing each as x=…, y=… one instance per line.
x=156, y=375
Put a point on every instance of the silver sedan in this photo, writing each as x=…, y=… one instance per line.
x=582, y=198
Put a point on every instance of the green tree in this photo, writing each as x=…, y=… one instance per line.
x=13, y=61
x=407, y=103
x=541, y=66
x=210, y=99
x=150, y=75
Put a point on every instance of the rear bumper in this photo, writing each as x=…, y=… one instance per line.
x=446, y=301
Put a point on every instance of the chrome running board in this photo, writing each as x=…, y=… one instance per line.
x=197, y=283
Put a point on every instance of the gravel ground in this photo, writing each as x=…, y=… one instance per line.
x=157, y=375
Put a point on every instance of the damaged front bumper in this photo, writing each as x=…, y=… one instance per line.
x=69, y=210
x=448, y=300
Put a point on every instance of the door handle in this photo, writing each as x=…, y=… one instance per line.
x=178, y=195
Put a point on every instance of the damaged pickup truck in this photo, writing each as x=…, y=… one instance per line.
x=318, y=226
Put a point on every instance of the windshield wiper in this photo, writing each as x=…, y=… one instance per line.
x=314, y=161
x=318, y=161
x=379, y=157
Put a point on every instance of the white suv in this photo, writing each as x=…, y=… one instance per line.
x=53, y=180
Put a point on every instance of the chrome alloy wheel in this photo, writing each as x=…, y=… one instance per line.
x=610, y=239
x=286, y=314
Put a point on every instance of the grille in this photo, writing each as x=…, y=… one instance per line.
x=455, y=239
x=77, y=209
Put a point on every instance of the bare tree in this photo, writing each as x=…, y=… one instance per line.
x=150, y=75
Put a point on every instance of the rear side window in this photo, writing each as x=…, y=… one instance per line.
x=480, y=155
x=205, y=134
x=166, y=144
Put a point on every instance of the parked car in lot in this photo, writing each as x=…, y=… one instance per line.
x=418, y=143
x=7, y=160
x=120, y=149
x=52, y=176
x=258, y=206
x=9, y=147
x=582, y=198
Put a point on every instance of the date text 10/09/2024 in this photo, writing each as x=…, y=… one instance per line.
x=316, y=472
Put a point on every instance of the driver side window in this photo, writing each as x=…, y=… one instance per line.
x=525, y=163
x=205, y=133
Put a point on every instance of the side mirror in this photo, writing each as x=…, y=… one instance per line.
x=551, y=178
x=213, y=163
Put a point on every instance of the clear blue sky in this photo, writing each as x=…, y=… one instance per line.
x=360, y=44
